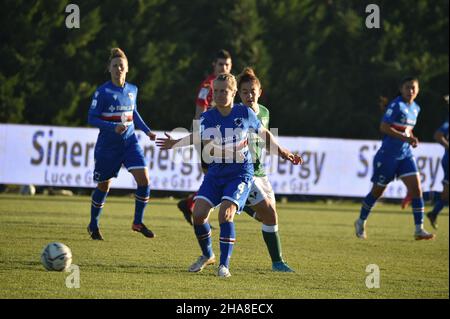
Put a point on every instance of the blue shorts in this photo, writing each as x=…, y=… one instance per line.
x=386, y=168
x=444, y=164
x=214, y=190
x=108, y=163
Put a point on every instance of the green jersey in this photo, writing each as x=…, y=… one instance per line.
x=256, y=143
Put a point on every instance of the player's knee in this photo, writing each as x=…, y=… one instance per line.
x=103, y=186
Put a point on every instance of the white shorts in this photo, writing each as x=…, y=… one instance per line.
x=261, y=190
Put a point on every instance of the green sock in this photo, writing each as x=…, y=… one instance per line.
x=273, y=243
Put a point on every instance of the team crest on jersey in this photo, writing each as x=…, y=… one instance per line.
x=130, y=95
x=238, y=121
x=96, y=94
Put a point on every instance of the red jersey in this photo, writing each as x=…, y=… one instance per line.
x=205, y=94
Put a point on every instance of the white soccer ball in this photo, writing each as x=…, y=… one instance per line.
x=56, y=257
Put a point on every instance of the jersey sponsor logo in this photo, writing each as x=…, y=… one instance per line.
x=203, y=94
x=111, y=108
x=94, y=104
x=389, y=112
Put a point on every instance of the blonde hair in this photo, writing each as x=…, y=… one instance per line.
x=247, y=75
x=227, y=77
x=117, y=53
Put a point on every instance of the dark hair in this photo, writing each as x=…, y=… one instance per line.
x=383, y=101
x=247, y=75
x=222, y=54
x=408, y=79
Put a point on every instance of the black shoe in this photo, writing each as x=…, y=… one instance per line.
x=433, y=220
x=95, y=234
x=182, y=205
x=141, y=228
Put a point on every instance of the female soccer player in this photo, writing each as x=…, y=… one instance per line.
x=441, y=136
x=114, y=111
x=224, y=130
x=395, y=159
x=262, y=198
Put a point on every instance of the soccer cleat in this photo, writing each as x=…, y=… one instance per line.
x=223, y=272
x=406, y=201
x=360, y=229
x=182, y=205
x=433, y=220
x=281, y=266
x=201, y=263
x=141, y=228
x=95, y=234
x=423, y=235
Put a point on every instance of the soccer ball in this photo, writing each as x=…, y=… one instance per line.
x=56, y=257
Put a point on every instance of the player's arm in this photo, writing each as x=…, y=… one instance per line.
x=94, y=116
x=273, y=147
x=198, y=111
x=140, y=124
x=224, y=152
x=167, y=143
x=387, y=129
x=440, y=137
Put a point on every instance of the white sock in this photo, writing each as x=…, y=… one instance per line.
x=419, y=228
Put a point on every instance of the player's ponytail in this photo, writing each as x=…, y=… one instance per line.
x=383, y=101
x=247, y=75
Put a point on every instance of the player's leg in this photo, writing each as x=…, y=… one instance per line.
x=207, y=197
x=186, y=205
x=409, y=174
x=135, y=163
x=227, y=235
x=443, y=199
x=106, y=167
x=98, y=201
x=142, y=196
x=262, y=201
x=235, y=195
x=383, y=173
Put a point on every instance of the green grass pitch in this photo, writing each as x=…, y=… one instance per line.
x=318, y=242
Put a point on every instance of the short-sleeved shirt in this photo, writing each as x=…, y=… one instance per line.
x=402, y=117
x=229, y=131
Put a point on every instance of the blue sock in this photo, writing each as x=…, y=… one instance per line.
x=431, y=196
x=142, y=197
x=418, y=207
x=227, y=239
x=367, y=206
x=203, y=233
x=438, y=206
x=98, y=201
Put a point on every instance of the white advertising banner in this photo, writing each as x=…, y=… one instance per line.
x=61, y=156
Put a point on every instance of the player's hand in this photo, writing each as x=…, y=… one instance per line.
x=152, y=136
x=166, y=143
x=298, y=160
x=413, y=141
x=120, y=128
